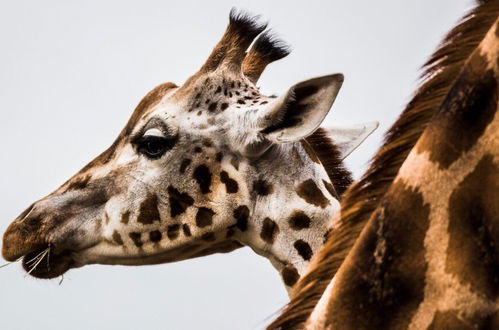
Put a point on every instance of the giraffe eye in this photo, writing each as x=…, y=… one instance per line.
x=154, y=146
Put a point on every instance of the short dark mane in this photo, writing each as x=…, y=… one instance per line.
x=361, y=199
x=330, y=157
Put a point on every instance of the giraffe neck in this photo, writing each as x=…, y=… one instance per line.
x=291, y=211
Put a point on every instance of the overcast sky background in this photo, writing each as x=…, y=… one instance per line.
x=72, y=72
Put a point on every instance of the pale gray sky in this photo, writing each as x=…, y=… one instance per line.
x=72, y=72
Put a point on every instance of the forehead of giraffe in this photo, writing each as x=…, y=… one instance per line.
x=227, y=78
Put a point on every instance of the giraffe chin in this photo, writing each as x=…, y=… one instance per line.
x=49, y=266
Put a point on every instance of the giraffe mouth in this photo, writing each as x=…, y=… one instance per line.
x=45, y=263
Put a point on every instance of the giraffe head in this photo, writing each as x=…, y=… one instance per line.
x=194, y=170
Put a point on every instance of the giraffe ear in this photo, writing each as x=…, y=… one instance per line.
x=348, y=138
x=300, y=111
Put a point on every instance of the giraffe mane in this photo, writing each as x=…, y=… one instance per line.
x=331, y=159
x=360, y=200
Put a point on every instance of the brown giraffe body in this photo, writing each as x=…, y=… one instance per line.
x=207, y=167
x=427, y=255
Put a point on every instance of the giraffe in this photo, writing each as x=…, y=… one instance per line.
x=422, y=253
x=207, y=167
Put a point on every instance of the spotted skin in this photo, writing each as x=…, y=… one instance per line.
x=426, y=258
x=192, y=173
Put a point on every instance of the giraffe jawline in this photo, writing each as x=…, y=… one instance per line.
x=46, y=265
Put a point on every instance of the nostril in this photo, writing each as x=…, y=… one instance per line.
x=25, y=213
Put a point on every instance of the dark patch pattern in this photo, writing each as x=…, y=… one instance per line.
x=385, y=278
x=241, y=214
x=155, y=236
x=187, y=230
x=465, y=114
x=136, y=239
x=179, y=202
x=125, y=217
x=299, y=220
x=262, y=187
x=230, y=184
x=290, y=275
x=173, y=231
x=202, y=175
x=472, y=255
x=148, y=211
x=183, y=166
x=117, y=238
x=309, y=191
x=270, y=229
x=204, y=217
x=303, y=249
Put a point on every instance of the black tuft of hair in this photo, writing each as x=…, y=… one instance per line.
x=245, y=25
x=269, y=46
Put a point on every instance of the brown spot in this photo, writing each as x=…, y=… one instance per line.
x=202, y=175
x=183, y=166
x=199, y=113
x=117, y=238
x=269, y=230
x=309, y=191
x=241, y=214
x=224, y=106
x=125, y=217
x=186, y=230
x=204, y=217
x=219, y=156
x=290, y=275
x=155, y=236
x=179, y=202
x=198, y=150
x=330, y=188
x=472, y=255
x=230, y=184
x=464, y=115
x=173, y=231
x=136, y=239
x=299, y=220
x=148, y=212
x=385, y=277
x=219, y=89
x=310, y=152
x=303, y=249
x=262, y=187
x=212, y=107
x=208, y=237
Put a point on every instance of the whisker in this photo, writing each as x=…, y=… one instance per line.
x=45, y=252
x=8, y=263
x=62, y=279
x=35, y=257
